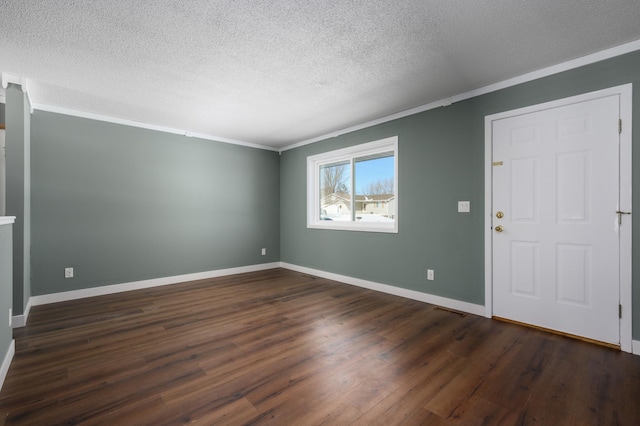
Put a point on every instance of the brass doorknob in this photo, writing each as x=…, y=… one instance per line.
x=499, y=228
x=499, y=215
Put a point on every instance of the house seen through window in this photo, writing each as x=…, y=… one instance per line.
x=354, y=188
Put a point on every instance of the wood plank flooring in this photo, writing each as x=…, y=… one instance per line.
x=282, y=348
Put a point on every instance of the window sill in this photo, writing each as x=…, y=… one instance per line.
x=358, y=227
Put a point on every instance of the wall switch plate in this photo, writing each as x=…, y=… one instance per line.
x=464, y=206
x=264, y=251
x=10, y=316
x=430, y=274
x=68, y=272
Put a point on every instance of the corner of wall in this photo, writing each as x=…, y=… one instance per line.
x=18, y=182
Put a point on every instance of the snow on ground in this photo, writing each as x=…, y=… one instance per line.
x=359, y=218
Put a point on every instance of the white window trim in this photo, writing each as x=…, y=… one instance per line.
x=313, y=185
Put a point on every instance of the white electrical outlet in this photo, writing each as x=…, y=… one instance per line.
x=10, y=316
x=464, y=206
x=68, y=272
x=264, y=251
x=430, y=274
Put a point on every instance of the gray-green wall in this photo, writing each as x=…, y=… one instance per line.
x=18, y=199
x=441, y=161
x=6, y=289
x=121, y=204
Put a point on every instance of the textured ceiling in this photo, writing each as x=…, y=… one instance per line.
x=279, y=72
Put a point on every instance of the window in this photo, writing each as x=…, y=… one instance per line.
x=354, y=188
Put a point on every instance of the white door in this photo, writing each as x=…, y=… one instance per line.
x=555, y=228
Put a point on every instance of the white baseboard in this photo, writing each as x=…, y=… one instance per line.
x=4, y=369
x=18, y=321
x=21, y=320
x=137, y=285
x=409, y=294
x=389, y=289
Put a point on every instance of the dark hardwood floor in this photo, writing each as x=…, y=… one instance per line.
x=283, y=348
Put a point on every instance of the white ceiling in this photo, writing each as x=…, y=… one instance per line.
x=283, y=71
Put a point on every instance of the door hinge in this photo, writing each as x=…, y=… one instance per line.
x=497, y=163
x=619, y=311
x=619, y=125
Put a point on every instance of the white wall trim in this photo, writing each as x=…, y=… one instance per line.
x=137, y=285
x=27, y=92
x=524, y=78
x=22, y=82
x=142, y=125
x=625, y=93
x=8, y=357
x=555, y=69
x=21, y=320
x=371, y=123
x=626, y=234
x=18, y=321
x=6, y=220
x=389, y=289
x=10, y=79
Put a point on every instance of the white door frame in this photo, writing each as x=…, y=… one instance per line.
x=625, y=93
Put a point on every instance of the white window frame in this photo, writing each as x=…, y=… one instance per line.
x=314, y=163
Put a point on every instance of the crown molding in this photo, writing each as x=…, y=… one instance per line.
x=23, y=82
x=10, y=79
x=148, y=126
x=555, y=69
x=524, y=78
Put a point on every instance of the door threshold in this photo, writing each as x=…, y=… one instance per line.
x=560, y=333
